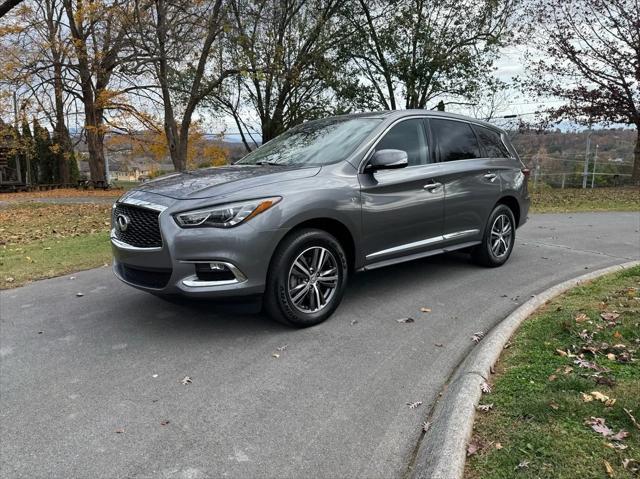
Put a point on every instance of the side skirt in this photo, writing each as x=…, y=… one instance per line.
x=424, y=254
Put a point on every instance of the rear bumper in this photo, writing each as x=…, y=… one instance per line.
x=171, y=268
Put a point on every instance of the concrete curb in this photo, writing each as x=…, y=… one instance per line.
x=442, y=451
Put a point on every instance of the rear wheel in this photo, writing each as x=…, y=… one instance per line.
x=306, y=279
x=498, y=240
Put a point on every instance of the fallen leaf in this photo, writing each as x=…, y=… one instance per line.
x=186, y=380
x=354, y=321
x=425, y=310
x=282, y=348
x=9, y=279
x=522, y=465
x=154, y=375
x=426, y=425
x=633, y=419
x=611, y=357
x=477, y=337
x=498, y=445
x=438, y=345
x=561, y=352
x=405, y=320
x=119, y=431
x=609, y=316
x=587, y=397
x=485, y=407
x=553, y=377
x=79, y=295
x=581, y=318
x=472, y=448
x=617, y=335
x=608, y=468
x=598, y=425
x=164, y=423
x=619, y=436
x=616, y=445
x=554, y=406
x=485, y=387
x=413, y=405
x=275, y=355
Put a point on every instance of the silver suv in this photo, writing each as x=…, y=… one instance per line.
x=294, y=218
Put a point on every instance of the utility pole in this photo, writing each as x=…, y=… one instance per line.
x=585, y=173
x=595, y=162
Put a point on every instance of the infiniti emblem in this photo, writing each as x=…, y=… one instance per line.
x=123, y=222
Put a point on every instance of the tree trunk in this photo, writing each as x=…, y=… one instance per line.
x=635, y=175
x=61, y=133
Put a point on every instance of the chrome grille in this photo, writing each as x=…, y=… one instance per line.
x=143, y=230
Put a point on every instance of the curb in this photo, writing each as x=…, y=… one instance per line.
x=442, y=451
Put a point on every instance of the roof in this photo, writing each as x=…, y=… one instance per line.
x=396, y=114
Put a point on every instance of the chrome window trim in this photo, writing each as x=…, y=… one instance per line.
x=424, y=242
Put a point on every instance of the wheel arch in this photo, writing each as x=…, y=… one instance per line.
x=511, y=202
x=334, y=227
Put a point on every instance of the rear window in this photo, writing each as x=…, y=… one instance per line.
x=456, y=140
x=491, y=143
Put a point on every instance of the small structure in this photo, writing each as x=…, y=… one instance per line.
x=10, y=176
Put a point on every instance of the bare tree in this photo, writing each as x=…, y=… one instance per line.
x=283, y=46
x=98, y=34
x=587, y=53
x=7, y=5
x=180, y=41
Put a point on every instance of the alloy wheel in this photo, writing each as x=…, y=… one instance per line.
x=313, y=279
x=501, y=235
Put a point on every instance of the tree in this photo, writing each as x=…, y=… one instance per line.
x=98, y=38
x=587, y=53
x=47, y=162
x=8, y=5
x=283, y=47
x=181, y=41
x=410, y=52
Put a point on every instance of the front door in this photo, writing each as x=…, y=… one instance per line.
x=402, y=210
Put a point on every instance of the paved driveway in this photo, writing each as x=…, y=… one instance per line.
x=75, y=371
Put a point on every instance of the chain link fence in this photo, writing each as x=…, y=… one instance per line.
x=556, y=172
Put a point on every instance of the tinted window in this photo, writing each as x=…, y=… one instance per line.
x=456, y=140
x=409, y=136
x=314, y=143
x=491, y=143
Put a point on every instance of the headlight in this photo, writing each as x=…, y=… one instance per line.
x=225, y=216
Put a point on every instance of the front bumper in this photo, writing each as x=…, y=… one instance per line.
x=171, y=268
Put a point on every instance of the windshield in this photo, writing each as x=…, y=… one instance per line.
x=316, y=143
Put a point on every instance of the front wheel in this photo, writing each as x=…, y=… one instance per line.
x=306, y=279
x=498, y=240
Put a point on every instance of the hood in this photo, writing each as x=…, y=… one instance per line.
x=219, y=181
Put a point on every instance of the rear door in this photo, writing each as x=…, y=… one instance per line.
x=471, y=180
x=402, y=210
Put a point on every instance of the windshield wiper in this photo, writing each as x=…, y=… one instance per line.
x=269, y=162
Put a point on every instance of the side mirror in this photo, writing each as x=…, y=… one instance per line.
x=388, y=160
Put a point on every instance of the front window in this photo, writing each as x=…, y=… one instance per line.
x=315, y=143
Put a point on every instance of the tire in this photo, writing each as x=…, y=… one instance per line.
x=498, y=239
x=296, y=294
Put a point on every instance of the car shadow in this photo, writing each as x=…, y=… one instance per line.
x=185, y=316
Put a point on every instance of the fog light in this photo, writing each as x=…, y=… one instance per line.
x=214, y=271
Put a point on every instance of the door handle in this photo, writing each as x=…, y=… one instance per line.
x=432, y=186
x=491, y=177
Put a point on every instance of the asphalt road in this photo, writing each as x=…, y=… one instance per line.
x=86, y=383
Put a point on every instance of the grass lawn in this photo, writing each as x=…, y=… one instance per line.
x=555, y=200
x=561, y=389
x=45, y=240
